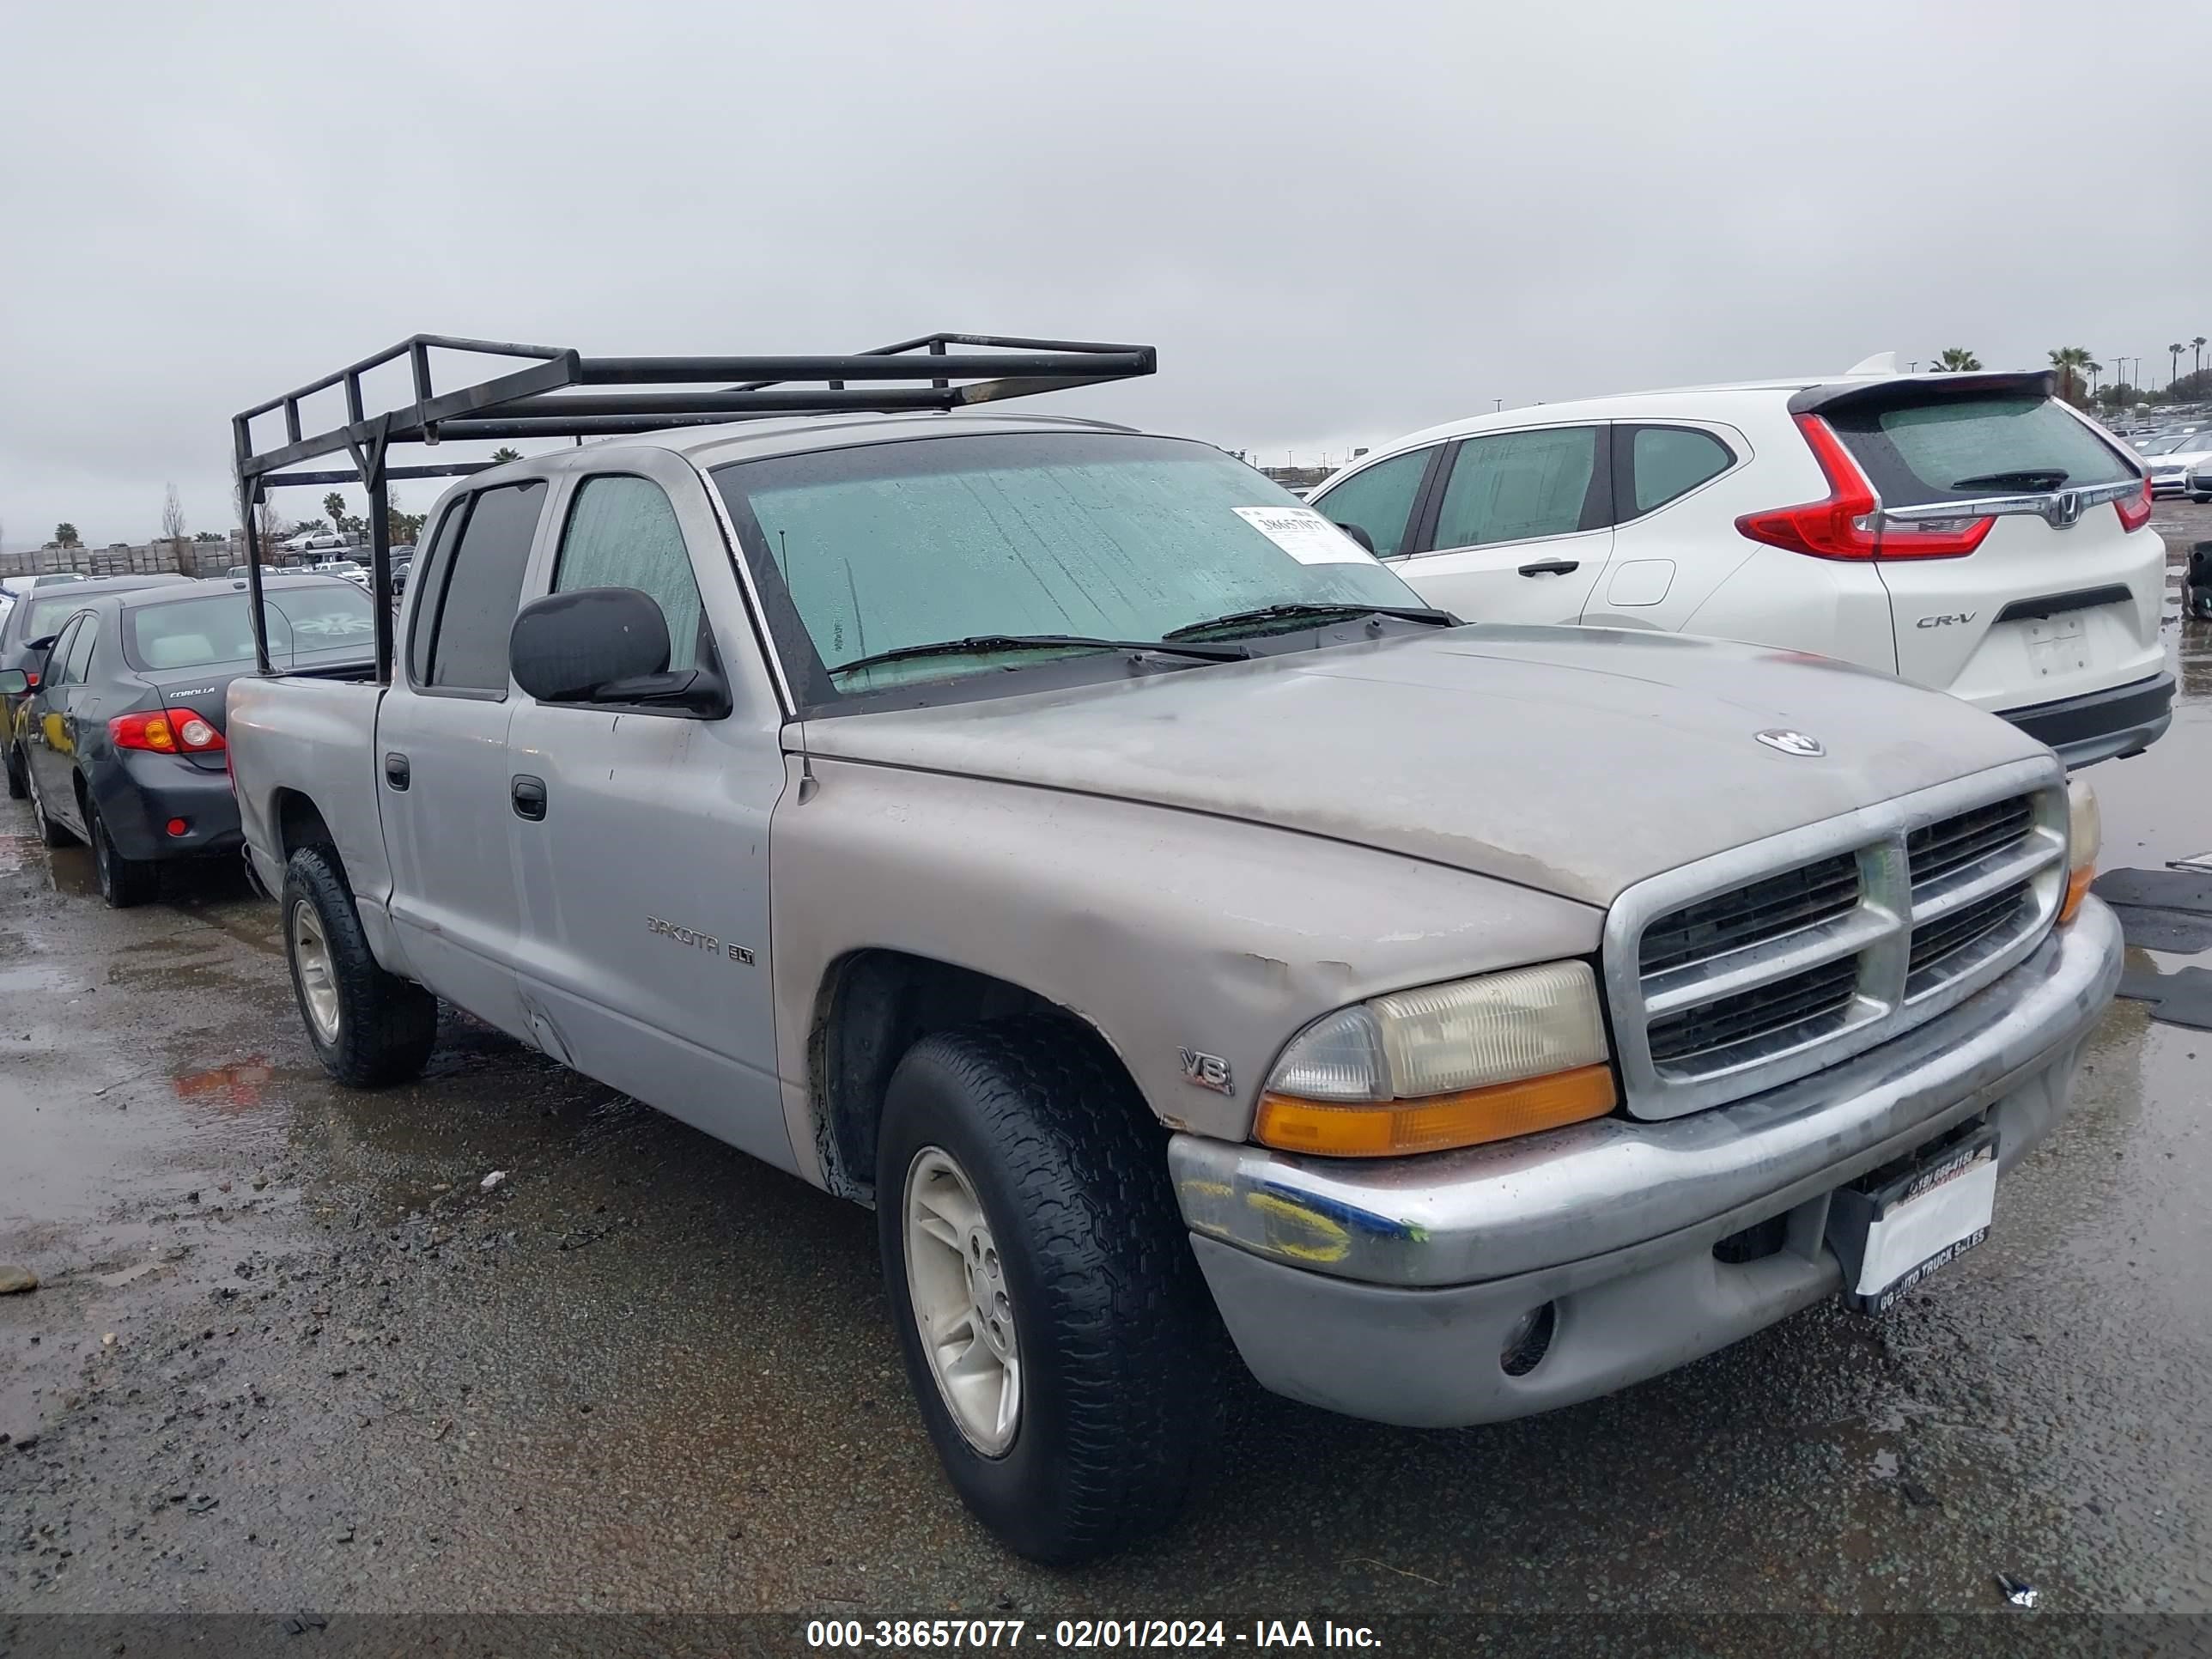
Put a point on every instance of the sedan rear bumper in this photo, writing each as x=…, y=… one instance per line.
x=1393, y=1291
x=2122, y=719
x=140, y=793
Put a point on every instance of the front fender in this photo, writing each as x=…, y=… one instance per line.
x=1166, y=930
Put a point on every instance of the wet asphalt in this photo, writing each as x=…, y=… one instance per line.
x=287, y=1352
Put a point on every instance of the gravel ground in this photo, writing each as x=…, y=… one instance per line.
x=288, y=1353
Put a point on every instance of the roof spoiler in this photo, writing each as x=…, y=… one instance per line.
x=1840, y=399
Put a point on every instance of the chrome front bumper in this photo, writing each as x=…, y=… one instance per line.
x=1388, y=1290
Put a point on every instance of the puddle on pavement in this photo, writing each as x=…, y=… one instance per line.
x=20, y=853
x=31, y=977
x=69, y=870
x=237, y=1087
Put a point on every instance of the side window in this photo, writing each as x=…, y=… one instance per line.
x=1380, y=499
x=1519, y=484
x=80, y=651
x=429, y=584
x=622, y=532
x=482, y=585
x=57, y=654
x=1666, y=461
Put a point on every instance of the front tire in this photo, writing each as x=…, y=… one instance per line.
x=51, y=834
x=368, y=1028
x=124, y=883
x=1024, y=1215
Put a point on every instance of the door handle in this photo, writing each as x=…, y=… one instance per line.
x=396, y=772
x=528, y=794
x=1552, y=568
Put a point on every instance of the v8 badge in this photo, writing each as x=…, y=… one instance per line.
x=1206, y=1071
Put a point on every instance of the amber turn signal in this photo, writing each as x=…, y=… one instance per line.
x=2077, y=889
x=1467, y=1118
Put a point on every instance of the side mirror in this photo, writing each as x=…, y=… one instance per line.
x=14, y=683
x=1358, y=535
x=606, y=645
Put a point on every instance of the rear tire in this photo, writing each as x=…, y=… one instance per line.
x=2200, y=603
x=368, y=1028
x=18, y=784
x=124, y=883
x=1030, y=1128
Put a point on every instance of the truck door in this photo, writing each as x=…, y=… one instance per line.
x=640, y=834
x=441, y=759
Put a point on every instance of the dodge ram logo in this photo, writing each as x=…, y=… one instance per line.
x=1789, y=743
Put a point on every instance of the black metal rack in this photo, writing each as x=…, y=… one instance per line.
x=541, y=400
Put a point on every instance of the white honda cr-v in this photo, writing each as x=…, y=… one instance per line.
x=1969, y=532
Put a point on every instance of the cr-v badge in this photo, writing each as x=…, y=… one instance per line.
x=1789, y=743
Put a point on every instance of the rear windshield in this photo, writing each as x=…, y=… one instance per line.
x=1957, y=449
x=46, y=617
x=332, y=619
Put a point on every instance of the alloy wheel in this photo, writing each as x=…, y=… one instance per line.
x=958, y=1287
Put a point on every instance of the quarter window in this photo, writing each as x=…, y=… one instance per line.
x=1379, y=501
x=622, y=532
x=1517, y=485
x=1666, y=461
x=480, y=586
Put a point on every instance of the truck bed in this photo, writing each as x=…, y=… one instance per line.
x=303, y=755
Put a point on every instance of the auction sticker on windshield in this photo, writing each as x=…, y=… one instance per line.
x=1304, y=535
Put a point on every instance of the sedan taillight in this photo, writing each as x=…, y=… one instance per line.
x=166, y=731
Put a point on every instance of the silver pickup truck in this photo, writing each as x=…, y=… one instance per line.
x=1060, y=839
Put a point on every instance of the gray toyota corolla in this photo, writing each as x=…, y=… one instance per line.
x=122, y=737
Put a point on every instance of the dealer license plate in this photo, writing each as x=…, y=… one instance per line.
x=1891, y=1236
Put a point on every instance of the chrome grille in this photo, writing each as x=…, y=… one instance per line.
x=1753, y=914
x=1740, y=972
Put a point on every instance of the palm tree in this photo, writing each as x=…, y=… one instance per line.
x=2197, y=346
x=1957, y=360
x=2069, y=361
x=2172, y=363
x=2095, y=369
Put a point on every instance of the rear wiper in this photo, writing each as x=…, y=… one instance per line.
x=1267, y=613
x=978, y=643
x=2026, y=478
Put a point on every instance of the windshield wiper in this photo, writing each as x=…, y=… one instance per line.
x=1267, y=613
x=979, y=643
x=2026, y=478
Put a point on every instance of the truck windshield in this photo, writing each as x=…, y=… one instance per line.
x=311, y=620
x=883, y=547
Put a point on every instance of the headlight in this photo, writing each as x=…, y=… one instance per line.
x=1450, y=1065
x=2085, y=839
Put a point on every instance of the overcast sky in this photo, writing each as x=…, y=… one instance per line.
x=1336, y=222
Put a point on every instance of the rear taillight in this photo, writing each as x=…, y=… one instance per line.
x=2135, y=510
x=1848, y=524
x=166, y=731
x=31, y=680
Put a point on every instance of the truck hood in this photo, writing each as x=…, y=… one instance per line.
x=1574, y=761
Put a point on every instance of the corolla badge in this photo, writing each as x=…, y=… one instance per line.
x=1789, y=743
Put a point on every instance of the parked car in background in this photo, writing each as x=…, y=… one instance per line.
x=1968, y=532
x=308, y=540
x=2169, y=459
x=37, y=618
x=351, y=570
x=2199, y=482
x=122, y=740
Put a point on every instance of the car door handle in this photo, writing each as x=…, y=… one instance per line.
x=528, y=794
x=396, y=772
x=1552, y=568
